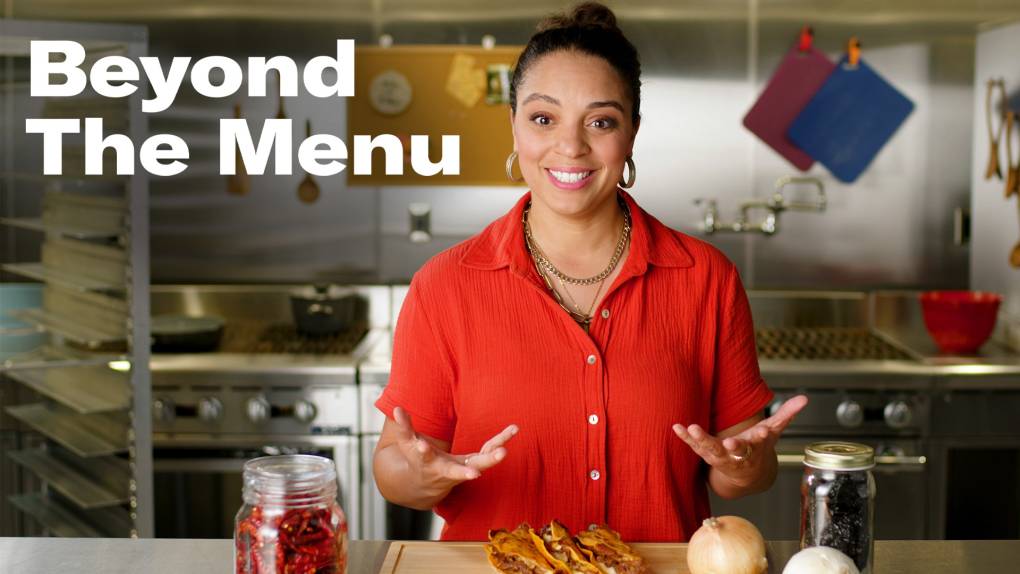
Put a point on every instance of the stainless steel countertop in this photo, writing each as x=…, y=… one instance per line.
x=167, y=556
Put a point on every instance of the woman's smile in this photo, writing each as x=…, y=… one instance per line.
x=570, y=177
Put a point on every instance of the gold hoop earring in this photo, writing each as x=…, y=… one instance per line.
x=510, y=168
x=631, y=175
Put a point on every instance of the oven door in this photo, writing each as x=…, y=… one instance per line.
x=901, y=500
x=197, y=482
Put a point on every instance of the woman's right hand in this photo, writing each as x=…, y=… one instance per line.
x=431, y=468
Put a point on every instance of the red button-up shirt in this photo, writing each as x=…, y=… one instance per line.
x=480, y=344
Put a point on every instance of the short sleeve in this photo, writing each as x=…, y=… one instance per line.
x=421, y=374
x=738, y=391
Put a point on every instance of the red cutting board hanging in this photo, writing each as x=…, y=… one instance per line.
x=794, y=83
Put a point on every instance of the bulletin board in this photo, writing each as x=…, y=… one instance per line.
x=435, y=91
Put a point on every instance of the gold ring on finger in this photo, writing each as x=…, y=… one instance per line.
x=747, y=453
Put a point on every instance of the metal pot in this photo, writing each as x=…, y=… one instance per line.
x=184, y=334
x=326, y=309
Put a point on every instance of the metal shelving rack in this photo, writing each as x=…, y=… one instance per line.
x=91, y=376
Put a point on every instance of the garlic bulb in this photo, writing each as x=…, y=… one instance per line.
x=727, y=545
x=820, y=560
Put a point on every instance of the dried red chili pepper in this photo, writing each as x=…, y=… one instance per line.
x=287, y=529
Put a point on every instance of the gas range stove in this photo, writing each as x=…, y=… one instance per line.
x=265, y=378
x=309, y=392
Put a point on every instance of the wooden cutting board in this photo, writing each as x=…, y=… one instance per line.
x=469, y=557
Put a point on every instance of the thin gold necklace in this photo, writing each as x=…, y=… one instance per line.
x=573, y=301
x=582, y=319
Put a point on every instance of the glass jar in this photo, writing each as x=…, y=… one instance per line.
x=291, y=520
x=838, y=500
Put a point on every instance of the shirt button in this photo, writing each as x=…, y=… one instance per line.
x=593, y=419
x=591, y=359
x=605, y=313
x=595, y=475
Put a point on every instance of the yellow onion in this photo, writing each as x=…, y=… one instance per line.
x=727, y=545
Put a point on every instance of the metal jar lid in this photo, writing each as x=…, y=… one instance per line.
x=839, y=456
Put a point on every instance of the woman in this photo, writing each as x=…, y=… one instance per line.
x=577, y=359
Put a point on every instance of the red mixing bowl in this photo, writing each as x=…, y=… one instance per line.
x=959, y=321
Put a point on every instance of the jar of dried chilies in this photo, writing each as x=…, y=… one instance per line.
x=291, y=521
x=838, y=500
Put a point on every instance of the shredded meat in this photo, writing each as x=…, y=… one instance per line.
x=510, y=564
x=623, y=564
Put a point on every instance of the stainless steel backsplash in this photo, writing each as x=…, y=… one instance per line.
x=892, y=228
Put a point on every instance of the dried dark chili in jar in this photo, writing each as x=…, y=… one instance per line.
x=838, y=500
x=291, y=521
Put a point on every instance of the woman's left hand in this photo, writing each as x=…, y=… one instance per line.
x=742, y=457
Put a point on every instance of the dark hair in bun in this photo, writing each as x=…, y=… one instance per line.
x=589, y=28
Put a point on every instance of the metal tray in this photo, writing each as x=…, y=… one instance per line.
x=84, y=435
x=78, y=487
x=87, y=337
x=62, y=521
x=77, y=232
x=41, y=272
x=86, y=390
x=53, y=516
x=50, y=356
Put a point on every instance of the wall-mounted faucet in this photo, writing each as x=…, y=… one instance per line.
x=773, y=205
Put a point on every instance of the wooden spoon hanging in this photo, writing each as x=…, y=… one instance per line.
x=1014, y=256
x=281, y=114
x=308, y=190
x=994, y=135
x=1012, y=164
x=239, y=183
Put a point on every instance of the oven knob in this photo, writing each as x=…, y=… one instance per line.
x=210, y=409
x=163, y=410
x=850, y=414
x=304, y=411
x=258, y=409
x=898, y=414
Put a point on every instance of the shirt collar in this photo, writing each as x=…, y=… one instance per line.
x=501, y=244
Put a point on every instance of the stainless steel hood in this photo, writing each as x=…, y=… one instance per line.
x=451, y=11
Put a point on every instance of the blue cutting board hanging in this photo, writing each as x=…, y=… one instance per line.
x=850, y=119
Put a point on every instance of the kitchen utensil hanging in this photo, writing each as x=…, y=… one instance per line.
x=1014, y=255
x=799, y=76
x=308, y=190
x=1012, y=163
x=995, y=87
x=281, y=114
x=851, y=118
x=239, y=183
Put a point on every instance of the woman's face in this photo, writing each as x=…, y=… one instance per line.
x=572, y=131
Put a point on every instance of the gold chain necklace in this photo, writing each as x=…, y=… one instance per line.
x=580, y=318
x=544, y=262
x=537, y=257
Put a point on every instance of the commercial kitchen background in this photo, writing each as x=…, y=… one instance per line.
x=704, y=62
